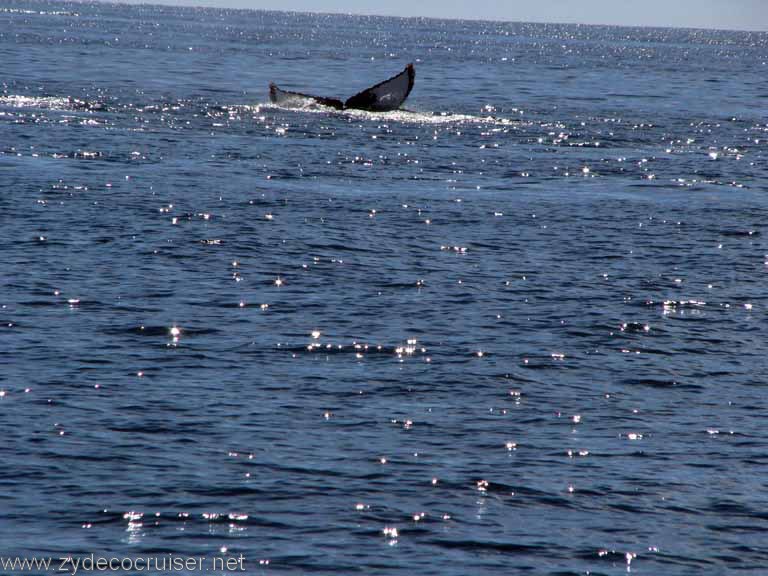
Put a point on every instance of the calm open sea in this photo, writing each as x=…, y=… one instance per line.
x=517, y=328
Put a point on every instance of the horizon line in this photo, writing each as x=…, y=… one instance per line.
x=416, y=17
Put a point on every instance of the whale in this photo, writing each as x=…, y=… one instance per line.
x=382, y=97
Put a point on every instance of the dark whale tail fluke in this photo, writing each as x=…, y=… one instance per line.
x=297, y=99
x=387, y=95
x=382, y=97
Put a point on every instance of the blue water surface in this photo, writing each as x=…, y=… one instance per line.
x=516, y=328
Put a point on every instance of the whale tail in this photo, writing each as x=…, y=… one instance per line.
x=382, y=97
x=298, y=100
x=387, y=95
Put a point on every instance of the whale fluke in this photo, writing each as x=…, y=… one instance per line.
x=382, y=97
x=297, y=99
x=387, y=95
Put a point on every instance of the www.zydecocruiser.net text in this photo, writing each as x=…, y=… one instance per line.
x=167, y=563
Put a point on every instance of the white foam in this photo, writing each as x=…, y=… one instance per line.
x=48, y=102
x=404, y=116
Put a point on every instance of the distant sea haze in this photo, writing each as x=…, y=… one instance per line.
x=706, y=14
x=517, y=326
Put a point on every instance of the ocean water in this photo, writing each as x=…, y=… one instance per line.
x=517, y=328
